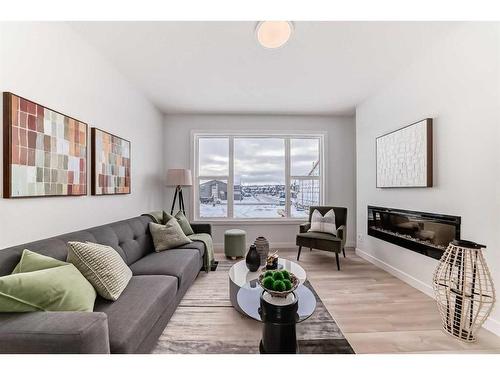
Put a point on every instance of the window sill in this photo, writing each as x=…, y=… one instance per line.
x=251, y=222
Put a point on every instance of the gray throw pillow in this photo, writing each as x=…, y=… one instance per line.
x=102, y=266
x=168, y=236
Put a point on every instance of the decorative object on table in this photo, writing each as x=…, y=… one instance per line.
x=110, y=163
x=235, y=242
x=179, y=178
x=262, y=245
x=404, y=156
x=324, y=241
x=272, y=261
x=44, y=153
x=278, y=283
x=464, y=289
x=253, y=259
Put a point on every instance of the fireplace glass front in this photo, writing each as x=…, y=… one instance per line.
x=423, y=232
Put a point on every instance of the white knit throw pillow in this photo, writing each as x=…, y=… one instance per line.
x=325, y=224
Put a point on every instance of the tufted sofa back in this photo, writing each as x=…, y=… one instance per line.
x=130, y=238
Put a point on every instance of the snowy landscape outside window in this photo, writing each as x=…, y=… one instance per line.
x=265, y=177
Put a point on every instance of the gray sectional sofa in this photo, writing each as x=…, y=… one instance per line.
x=134, y=322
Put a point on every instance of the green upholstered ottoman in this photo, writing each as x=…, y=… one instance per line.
x=235, y=242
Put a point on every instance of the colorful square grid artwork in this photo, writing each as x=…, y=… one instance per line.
x=45, y=152
x=110, y=163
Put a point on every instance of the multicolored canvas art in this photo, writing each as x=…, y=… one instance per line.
x=110, y=163
x=45, y=152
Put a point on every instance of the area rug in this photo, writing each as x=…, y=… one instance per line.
x=206, y=323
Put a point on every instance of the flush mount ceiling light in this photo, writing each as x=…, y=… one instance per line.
x=273, y=34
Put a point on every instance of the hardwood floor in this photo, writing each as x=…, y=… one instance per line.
x=377, y=312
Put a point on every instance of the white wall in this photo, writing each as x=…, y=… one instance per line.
x=457, y=83
x=340, y=176
x=51, y=65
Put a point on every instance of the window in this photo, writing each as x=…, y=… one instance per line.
x=246, y=177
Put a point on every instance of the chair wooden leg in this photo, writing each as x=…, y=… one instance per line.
x=310, y=249
x=338, y=261
x=343, y=251
x=298, y=255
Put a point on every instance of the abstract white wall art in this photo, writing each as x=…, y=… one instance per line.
x=404, y=156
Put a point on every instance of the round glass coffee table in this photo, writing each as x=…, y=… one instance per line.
x=245, y=291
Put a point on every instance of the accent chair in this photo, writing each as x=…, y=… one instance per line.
x=324, y=241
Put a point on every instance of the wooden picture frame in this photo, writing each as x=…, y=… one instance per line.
x=111, y=163
x=404, y=157
x=44, y=151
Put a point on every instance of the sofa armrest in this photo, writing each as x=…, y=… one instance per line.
x=341, y=233
x=202, y=228
x=54, y=332
x=305, y=227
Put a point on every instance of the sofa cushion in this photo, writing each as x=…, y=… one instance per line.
x=130, y=238
x=321, y=241
x=198, y=245
x=184, y=264
x=133, y=315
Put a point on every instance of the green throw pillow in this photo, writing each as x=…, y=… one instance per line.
x=168, y=236
x=166, y=217
x=181, y=219
x=184, y=223
x=42, y=283
x=31, y=261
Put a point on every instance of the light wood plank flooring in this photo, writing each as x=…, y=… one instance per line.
x=377, y=312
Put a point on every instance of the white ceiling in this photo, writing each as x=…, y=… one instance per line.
x=218, y=67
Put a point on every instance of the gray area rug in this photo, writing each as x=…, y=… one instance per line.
x=206, y=323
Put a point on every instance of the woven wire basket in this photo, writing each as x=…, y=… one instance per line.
x=293, y=279
x=464, y=290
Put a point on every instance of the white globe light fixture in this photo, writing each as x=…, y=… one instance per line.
x=273, y=34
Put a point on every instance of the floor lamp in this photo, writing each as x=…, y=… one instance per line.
x=179, y=178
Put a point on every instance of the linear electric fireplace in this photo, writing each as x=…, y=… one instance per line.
x=423, y=232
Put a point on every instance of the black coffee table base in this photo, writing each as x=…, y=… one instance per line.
x=279, y=335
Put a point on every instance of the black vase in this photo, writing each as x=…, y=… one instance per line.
x=253, y=259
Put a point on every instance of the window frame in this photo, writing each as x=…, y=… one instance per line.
x=231, y=135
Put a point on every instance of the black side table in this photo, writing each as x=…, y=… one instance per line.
x=279, y=335
x=279, y=330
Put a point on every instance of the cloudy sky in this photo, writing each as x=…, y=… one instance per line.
x=257, y=160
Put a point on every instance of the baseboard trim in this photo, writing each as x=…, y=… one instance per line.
x=490, y=324
x=417, y=284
